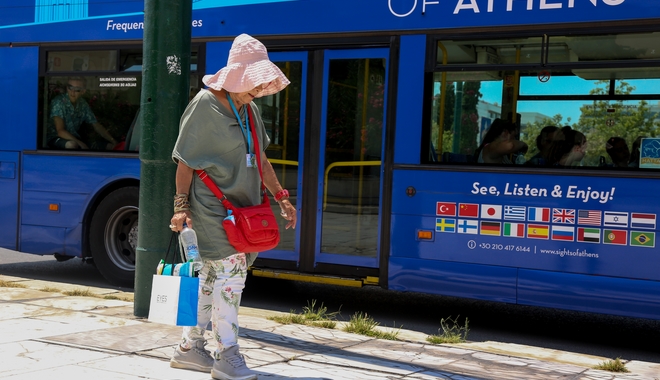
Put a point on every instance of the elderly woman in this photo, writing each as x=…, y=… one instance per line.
x=215, y=136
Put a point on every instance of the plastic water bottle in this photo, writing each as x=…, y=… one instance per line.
x=188, y=239
x=230, y=217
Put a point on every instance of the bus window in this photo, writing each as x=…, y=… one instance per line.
x=613, y=108
x=611, y=47
x=91, y=99
x=605, y=110
x=88, y=60
x=96, y=111
x=463, y=109
x=519, y=50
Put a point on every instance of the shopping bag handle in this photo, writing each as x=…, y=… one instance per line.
x=169, y=247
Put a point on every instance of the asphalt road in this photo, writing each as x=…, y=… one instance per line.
x=601, y=335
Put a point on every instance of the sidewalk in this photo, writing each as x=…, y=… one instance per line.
x=47, y=334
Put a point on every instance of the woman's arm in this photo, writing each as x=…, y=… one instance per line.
x=494, y=151
x=184, y=176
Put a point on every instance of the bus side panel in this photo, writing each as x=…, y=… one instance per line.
x=47, y=181
x=62, y=229
x=19, y=80
x=453, y=279
x=595, y=294
x=596, y=252
x=37, y=208
x=42, y=240
x=9, y=204
x=574, y=224
x=409, y=94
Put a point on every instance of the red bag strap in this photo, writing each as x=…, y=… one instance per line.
x=216, y=190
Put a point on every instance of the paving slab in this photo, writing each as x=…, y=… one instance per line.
x=300, y=369
x=18, y=310
x=33, y=356
x=133, y=338
x=79, y=372
x=144, y=367
x=20, y=294
x=535, y=353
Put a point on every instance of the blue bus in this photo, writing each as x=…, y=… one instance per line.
x=377, y=139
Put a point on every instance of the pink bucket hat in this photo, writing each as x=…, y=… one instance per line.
x=248, y=66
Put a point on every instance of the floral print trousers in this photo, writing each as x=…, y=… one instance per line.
x=221, y=284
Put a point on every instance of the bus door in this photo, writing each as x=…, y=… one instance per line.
x=337, y=141
x=349, y=184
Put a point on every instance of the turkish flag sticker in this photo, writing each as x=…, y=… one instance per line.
x=445, y=208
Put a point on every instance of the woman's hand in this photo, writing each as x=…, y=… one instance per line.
x=176, y=223
x=289, y=213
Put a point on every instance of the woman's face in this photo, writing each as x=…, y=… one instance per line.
x=581, y=149
x=246, y=97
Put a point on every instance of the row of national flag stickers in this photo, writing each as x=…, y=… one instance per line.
x=523, y=221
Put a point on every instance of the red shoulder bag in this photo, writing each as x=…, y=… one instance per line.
x=254, y=228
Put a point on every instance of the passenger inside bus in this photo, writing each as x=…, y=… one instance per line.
x=499, y=143
x=617, y=149
x=543, y=142
x=68, y=112
x=567, y=149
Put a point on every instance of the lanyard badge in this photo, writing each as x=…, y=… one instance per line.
x=250, y=158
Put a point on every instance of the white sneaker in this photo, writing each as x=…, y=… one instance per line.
x=197, y=358
x=231, y=366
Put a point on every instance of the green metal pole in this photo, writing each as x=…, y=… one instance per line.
x=165, y=89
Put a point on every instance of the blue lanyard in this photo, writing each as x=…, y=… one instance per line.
x=244, y=128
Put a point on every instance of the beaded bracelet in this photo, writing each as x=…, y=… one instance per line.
x=181, y=203
x=180, y=209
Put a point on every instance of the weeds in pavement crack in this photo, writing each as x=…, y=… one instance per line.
x=450, y=332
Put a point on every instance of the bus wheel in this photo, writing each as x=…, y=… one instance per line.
x=113, y=236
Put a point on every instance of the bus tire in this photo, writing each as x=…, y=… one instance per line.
x=113, y=236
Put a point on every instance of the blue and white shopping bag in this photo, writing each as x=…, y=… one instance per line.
x=174, y=300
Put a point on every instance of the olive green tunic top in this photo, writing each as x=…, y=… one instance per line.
x=211, y=139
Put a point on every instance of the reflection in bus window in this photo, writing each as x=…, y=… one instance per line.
x=463, y=113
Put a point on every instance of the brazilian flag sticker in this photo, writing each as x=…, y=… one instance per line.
x=642, y=239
